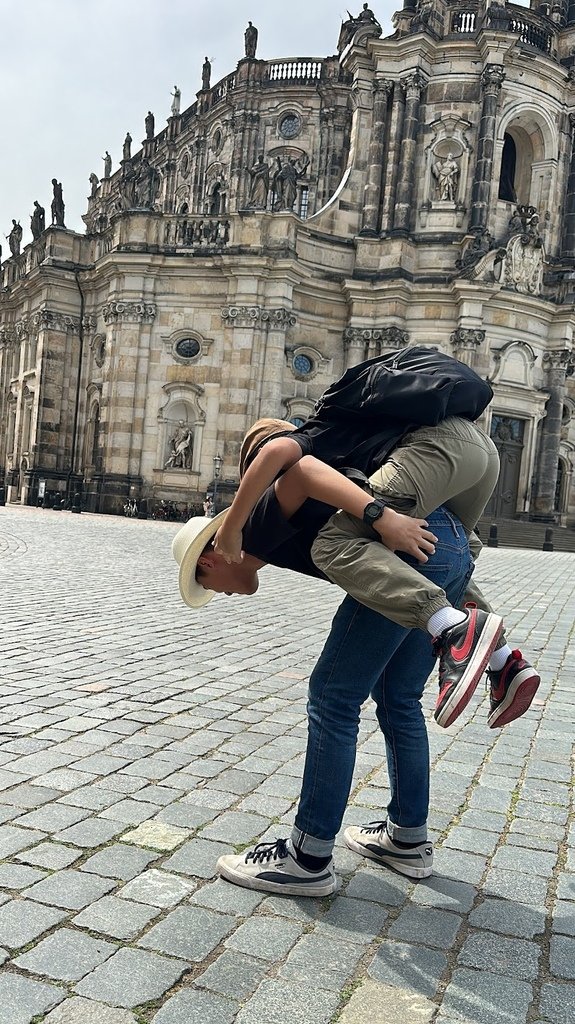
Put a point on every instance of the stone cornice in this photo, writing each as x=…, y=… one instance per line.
x=358, y=336
x=258, y=317
x=132, y=311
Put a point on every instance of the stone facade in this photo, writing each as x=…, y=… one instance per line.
x=300, y=216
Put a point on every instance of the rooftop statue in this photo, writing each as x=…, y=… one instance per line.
x=251, y=40
x=57, y=207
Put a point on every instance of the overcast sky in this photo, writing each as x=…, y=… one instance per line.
x=76, y=75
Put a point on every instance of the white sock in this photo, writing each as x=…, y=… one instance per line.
x=499, y=657
x=443, y=619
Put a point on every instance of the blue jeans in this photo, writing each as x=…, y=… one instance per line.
x=365, y=654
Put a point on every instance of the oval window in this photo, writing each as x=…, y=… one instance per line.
x=302, y=364
x=187, y=348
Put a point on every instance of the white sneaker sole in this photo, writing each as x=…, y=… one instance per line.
x=517, y=699
x=231, y=874
x=467, y=685
x=387, y=860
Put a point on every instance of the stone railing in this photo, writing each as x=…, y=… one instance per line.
x=196, y=232
x=464, y=21
x=221, y=89
x=533, y=29
x=300, y=70
x=16, y=267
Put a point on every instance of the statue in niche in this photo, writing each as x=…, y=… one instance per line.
x=285, y=184
x=180, y=447
x=127, y=147
x=128, y=186
x=15, y=238
x=177, y=96
x=206, y=74
x=260, y=183
x=57, y=207
x=94, y=182
x=145, y=184
x=446, y=173
x=251, y=40
x=149, y=124
x=37, y=220
x=107, y=164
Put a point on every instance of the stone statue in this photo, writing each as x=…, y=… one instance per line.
x=367, y=16
x=128, y=186
x=350, y=27
x=107, y=164
x=177, y=94
x=149, y=122
x=206, y=74
x=37, y=220
x=479, y=247
x=251, y=40
x=285, y=184
x=15, y=238
x=94, y=182
x=127, y=147
x=515, y=225
x=146, y=184
x=57, y=207
x=446, y=173
x=180, y=447
x=259, y=188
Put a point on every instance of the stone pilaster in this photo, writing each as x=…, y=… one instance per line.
x=392, y=158
x=412, y=85
x=123, y=397
x=271, y=325
x=465, y=342
x=372, y=195
x=492, y=79
x=568, y=236
x=555, y=365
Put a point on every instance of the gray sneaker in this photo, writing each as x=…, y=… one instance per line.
x=272, y=867
x=372, y=840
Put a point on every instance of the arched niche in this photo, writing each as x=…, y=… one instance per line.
x=180, y=402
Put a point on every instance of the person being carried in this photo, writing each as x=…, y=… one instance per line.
x=451, y=460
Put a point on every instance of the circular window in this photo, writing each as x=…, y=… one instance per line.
x=290, y=126
x=187, y=348
x=302, y=364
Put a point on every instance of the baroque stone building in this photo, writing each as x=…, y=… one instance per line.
x=300, y=216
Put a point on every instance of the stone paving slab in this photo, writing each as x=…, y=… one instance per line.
x=139, y=741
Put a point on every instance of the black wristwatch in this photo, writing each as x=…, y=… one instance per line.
x=374, y=511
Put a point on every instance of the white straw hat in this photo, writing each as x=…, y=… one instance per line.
x=187, y=547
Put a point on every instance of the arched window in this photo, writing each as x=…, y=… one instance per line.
x=508, y=169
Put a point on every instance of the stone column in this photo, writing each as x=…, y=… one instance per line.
x=568, y=235
x=412, y=85
x=392, y=158
x=492, y=79
x=555, y=364
x=372, y=194
x=465, y=342
x=278, y=321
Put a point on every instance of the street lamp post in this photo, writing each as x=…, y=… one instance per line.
x=217, y=470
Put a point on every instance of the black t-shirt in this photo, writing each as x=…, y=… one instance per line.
x=286, y=543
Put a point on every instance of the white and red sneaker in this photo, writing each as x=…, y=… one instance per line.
x=463, y=651
x=512, y=690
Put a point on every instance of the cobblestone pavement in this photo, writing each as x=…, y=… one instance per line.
x=140, y=740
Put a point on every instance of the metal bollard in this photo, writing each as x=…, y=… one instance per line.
x=143, y=508
x=2, y=496
x=77, y=502
x=57, y=504
x=492, y=541
x=548, y=542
